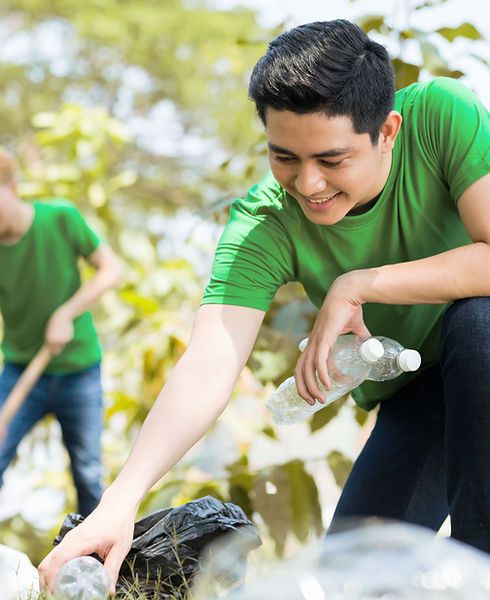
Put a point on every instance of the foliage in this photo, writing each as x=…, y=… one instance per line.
x=426, y=44
x=72, y=118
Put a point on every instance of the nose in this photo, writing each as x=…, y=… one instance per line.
x=310, y=181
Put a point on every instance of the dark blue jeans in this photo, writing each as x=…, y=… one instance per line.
x=76, y=401
x=429, y=453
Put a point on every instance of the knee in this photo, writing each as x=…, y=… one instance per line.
x=465, y=332
x=467, y=315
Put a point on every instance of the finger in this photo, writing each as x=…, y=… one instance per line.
x=49, y=567
x=358, y=325
x=112, y=564
x=363, y=332
x=301, y=385
x=322, y=368
x=311, y=379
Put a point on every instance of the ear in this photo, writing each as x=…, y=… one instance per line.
x=389, y=131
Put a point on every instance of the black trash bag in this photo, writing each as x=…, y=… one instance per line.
x=169, y=544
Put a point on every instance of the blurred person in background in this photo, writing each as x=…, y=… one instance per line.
x=42, y=301
x=378, y=202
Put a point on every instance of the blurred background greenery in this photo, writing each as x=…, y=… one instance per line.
x=136, y=110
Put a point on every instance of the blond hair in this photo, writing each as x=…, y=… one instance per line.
x=7, y=166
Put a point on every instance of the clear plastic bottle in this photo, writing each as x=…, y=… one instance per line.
x=349, y=364
x=396, y=360
x=82, y=578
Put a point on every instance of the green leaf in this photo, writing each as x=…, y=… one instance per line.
x=360, y=415
x=466, y=30
x=268, y=365
x=269, y=432
x=305, y=506
x=240, y=495
x=325, y=415
x=240, y=484
x=121, y=402
x=147, y=305
x=340, y=465
x=271, y=500
x=239, y=466
x=434, y=62
x=372, y=23
x=405, y=73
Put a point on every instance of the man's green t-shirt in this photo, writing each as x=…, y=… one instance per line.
x=37, y=275
x=442, y=148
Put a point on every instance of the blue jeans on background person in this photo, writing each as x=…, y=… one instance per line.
x=429, y=453
x=76, y=402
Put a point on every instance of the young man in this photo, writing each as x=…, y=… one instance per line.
x=380, y=207
x=42, y=301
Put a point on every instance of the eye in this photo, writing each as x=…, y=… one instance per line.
x=329, y=164
x=284, y=159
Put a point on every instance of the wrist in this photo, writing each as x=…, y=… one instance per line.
x=120, y=501
x=66, y=312
x=352, y=286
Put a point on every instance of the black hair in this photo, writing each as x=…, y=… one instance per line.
x=330, y=67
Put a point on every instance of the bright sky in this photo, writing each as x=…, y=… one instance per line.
x=451, y=13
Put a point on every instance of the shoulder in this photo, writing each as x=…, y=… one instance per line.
x=62, y=217
x=438, y=92
x=266, y=197
x=56, y=207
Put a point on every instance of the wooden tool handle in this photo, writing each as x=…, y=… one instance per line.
x=24, y=385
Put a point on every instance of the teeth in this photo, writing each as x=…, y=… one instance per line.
x=322, y=200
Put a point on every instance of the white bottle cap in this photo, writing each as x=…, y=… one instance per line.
x=371, y=350
x=302, y=344
x=409, y=360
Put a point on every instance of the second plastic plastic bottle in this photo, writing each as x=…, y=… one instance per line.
x=350, y=363
x=396, y=360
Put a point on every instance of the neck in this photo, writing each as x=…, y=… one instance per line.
x=20, y=221
x=384, y=175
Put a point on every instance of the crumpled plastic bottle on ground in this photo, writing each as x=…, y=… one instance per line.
x=82, y=578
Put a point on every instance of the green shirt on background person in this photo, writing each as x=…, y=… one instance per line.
x=37, y=275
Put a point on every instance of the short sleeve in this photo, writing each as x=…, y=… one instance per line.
x=459, y=127
x=83, y=237
x=253, y=259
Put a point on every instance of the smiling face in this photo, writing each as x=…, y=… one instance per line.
x=330, y=170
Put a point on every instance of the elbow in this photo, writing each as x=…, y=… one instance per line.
x=112, y=274
x=116, y=275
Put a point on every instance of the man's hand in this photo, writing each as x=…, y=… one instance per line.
x=107, y=531
x=340, y=313
x=59, y=330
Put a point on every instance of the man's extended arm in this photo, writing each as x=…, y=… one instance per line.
x=458, y=273
x=59, y=329
x=191, y=400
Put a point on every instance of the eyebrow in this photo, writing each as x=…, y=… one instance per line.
x=326, y=153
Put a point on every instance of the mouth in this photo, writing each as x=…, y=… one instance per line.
x=325, y=202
